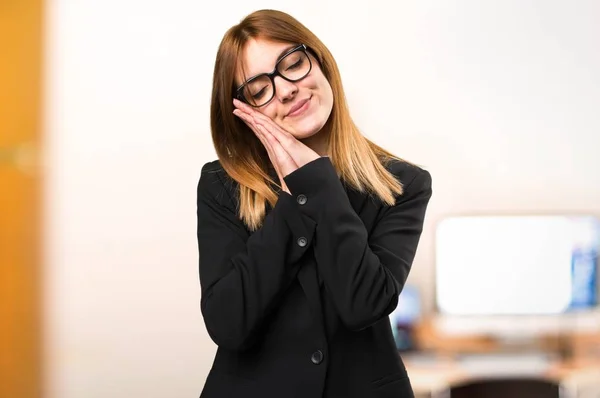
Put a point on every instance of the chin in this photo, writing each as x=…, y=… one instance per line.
x=307, y=128
x=302, y=135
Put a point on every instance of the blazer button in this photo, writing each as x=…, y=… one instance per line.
x=317, y=357
x=301, y=199
x=302, y=241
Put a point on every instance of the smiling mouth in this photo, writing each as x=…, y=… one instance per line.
x=299, y=108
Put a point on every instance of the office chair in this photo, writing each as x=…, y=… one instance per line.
x=507, y=388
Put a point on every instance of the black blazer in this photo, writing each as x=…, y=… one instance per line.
x=300, y=307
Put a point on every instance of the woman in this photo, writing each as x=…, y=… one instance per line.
x=306, y=229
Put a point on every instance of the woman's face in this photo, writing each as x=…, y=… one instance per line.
x=301, y=107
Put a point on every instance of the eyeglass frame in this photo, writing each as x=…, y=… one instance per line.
x=272, y=75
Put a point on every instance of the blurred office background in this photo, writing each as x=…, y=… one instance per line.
x=104, y=126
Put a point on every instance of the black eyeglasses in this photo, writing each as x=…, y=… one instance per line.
x=259, y=90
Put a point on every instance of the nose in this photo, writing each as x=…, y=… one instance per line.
x=285, y=90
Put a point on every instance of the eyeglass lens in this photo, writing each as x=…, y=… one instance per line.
x=293, y=67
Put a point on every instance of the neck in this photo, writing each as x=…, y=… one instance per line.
x=318, y=142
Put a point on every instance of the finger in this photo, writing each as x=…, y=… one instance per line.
x=281, y=160
x=285, y=138
x=274, y=162
x=284, y=186
x=251, y=122
x=239, y=104
x=258, y=118
x=300, y=153
x=284, y=159
x=269, y=147
x=270, y=152
x=279, y=132
x=261, y=118
x=259, y=132
x=244, y=116
x=248, y=121
x=245, y=108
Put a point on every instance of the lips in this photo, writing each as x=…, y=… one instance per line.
x=297, y=106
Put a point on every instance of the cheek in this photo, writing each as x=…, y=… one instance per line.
x=270, y=110
x=326, y=94
x=313, y=82
x=326, y=87
x=319, y=83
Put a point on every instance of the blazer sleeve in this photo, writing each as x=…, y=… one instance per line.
x=242, y=274
x=363, y=273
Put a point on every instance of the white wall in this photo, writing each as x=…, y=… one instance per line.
x=499, y=100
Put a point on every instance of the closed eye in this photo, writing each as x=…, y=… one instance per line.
x=296, y=65
x=260, y=93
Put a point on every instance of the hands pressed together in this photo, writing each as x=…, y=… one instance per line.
x=286, y=152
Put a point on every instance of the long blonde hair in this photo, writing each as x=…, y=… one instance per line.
x=359, y=162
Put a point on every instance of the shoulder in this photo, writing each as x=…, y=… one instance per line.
x=214, y=167
x=212, y=174
x=414, y=178
x=215, y=183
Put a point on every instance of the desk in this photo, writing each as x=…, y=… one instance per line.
x=435, y=377
x=435, y=374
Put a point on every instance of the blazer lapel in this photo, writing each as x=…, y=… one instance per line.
x=308, y=279
x=357, y=199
